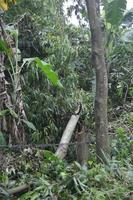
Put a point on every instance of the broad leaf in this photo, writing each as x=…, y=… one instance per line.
x=47, y=69
x=49, y=156
x=114, y=10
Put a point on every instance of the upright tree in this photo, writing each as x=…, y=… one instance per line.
x=98, y=61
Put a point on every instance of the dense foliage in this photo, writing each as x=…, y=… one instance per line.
x=55, y=72
x=55, y=179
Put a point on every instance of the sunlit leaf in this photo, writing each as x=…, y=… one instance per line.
x=47, y=69
x=4, y=47
x=50, y=156
x=29, y=124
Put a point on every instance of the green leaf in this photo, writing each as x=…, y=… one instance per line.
x=4, y=112
x=114, y=10
x=50, y=156
x=35, y=196
x=4, y=47
x=2, y=139
x=29, y=124
x=47, y=69
x=98, y=177
x=12, y=112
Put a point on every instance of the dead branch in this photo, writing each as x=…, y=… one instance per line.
x=67, y=134
x=20, y=189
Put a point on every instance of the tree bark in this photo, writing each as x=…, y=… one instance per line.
x=98, y=61
x=98, y=7
x=82, y=147
x=20, y=189
x=4, y=97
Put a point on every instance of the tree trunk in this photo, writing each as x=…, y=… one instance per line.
x=98, y=7
x=8, y=124
x=98, y=61
x=4, y=97
x=82, y=147
x=20, y=189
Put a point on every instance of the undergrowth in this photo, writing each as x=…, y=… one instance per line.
x=55, y=179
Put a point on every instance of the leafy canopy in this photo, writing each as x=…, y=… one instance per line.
x=114, y=10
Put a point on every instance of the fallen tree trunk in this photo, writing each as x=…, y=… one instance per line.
x=20, y=189
x=67, y=134
x=7, y=193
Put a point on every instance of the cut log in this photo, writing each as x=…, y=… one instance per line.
x=20, y=189
x=67, y=134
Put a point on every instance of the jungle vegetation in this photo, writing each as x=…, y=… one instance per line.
x=66, y=100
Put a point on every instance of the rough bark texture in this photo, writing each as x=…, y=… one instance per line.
x=98, y=61
x=82, y=147
x=98, y=7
